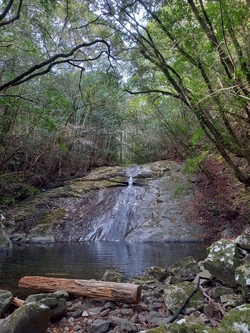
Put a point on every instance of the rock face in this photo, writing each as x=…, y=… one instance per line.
x=152, y=202
x=5, y=242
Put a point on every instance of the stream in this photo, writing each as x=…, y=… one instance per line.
x=89, y=260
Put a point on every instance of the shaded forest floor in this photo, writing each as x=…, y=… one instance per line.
x=223, y=204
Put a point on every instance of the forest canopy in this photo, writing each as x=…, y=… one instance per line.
x=84, y=84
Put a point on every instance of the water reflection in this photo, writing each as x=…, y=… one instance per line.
x=89, y=260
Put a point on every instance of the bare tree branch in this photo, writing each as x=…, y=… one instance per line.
x=7, y=9
x=31, y=72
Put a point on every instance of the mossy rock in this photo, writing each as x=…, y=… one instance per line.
x=183, y=327
x=237, y=320
x=51, y=217
x=175, y=295
x=157, y=272
x=242, y=277
x=184, y=268
x=222, y=261
x=146, y=282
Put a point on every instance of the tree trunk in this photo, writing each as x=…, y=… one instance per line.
x=113, y=291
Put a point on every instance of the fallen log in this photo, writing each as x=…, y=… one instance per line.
x=113, y=291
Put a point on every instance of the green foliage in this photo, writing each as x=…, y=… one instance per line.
x=180, y=190
x=192, y=165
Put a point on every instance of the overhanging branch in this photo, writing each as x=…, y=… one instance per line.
x=167, y=93
x=49, y=63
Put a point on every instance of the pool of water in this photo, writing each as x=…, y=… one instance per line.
x=89, y=260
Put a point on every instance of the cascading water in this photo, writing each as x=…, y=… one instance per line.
x=121, y=215
x=142, y=213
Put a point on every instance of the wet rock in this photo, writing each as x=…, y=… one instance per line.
x=5, y=300
x=184, y=269
x=175, y=295
x=30, y=318
x=222, y=261
x=58, y=214
x=113, y=275
x=42, y=239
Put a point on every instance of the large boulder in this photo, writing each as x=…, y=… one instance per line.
x=237, y=320
x=157, y=272
x=29, y=318
x=175, y=295
x=5, y=300
x=113, y=275
x=222, y=261
x=185, y=268
x=56, y=303
x=243, y=241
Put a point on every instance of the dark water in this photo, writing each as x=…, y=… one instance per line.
x=89, y=260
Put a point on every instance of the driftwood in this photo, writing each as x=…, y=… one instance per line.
x=17, y=302
x=113, y=291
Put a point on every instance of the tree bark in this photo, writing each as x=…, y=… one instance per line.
x=113, y=291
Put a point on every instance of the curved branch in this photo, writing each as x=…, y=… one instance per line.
x=7, y=9
x=30, y=73
x=167, y=93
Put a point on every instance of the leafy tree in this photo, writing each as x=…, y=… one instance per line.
x=199, y=51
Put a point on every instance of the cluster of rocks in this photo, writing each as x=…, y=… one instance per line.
x=211, y=297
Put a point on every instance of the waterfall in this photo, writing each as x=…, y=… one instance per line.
x=120, y=212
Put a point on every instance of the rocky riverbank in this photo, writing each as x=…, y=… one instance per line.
x=210, y=296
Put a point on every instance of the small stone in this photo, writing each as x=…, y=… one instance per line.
x=85, y=313
x=110, y=305
x=143, y=306
x=142, y=319
x=127, y=312
x=208, y=310
x=77, y=313
x=100, y=326
x=104, y=312
x=95, y=311
x=133, y=319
